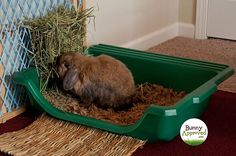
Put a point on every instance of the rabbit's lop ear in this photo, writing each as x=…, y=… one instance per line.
x=70, y=79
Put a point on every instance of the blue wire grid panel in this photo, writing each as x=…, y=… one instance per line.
x=14, y=44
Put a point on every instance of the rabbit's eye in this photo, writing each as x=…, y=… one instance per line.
x=66, y=64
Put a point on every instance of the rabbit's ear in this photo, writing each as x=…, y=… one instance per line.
x=70, y=79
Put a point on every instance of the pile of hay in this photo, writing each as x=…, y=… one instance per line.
x=59, y=31
x=146, y=94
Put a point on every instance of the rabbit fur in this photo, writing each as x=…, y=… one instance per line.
x=102, y=80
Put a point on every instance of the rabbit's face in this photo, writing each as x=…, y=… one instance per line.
x=68, y=70
x=64, y=63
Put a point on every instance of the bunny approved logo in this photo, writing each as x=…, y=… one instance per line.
x=194, y=132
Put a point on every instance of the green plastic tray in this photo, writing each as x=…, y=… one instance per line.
x=199, y=79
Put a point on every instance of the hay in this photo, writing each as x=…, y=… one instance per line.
x=59, y=31
x=146, y=94
x=49, y=136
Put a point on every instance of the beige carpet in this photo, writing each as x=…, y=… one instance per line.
x=213, y=50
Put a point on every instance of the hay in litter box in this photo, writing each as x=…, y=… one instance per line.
x=59, y=31
x=146, y=94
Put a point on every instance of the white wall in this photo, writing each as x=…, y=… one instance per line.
x=140, y=24
x=131, y=22
x=187, y=11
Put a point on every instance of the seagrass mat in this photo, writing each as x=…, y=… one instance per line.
x=49, y=136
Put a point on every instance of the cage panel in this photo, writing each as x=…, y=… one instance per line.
x=14, y=48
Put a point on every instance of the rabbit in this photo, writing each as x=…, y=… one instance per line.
x=102, y=80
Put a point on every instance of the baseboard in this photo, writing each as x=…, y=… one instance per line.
x=153, y=38
x=7, y=116
x=186, y=30
x=162, y=35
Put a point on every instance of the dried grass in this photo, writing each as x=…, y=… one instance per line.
x=48, y=136
x=59, y=31
x=146, y=95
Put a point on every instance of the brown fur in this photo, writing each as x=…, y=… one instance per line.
x=102, y=80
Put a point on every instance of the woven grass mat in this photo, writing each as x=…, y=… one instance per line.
x=49, y=136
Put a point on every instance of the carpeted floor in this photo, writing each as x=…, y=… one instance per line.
x=213, y=50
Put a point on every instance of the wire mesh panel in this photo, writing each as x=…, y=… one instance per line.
x=15, y=44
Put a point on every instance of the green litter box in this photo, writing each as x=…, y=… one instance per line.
x=159, y=123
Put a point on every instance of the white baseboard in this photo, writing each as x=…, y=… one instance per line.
x=162, y=35
x=154, y=38
x=186, y=30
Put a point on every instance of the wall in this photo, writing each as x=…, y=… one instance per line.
x=119, y=22
x=140, y=24
x=187, y=11
x=187, y=17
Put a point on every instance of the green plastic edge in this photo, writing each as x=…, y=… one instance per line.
x=161, y=58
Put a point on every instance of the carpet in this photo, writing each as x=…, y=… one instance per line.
x=213, y=50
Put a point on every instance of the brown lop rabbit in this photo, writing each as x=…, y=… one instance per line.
x=101, y=80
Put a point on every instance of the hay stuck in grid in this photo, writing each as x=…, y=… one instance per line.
x=59, y=31
x=146, y=94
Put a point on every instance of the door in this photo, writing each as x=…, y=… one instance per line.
x=221, y=19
